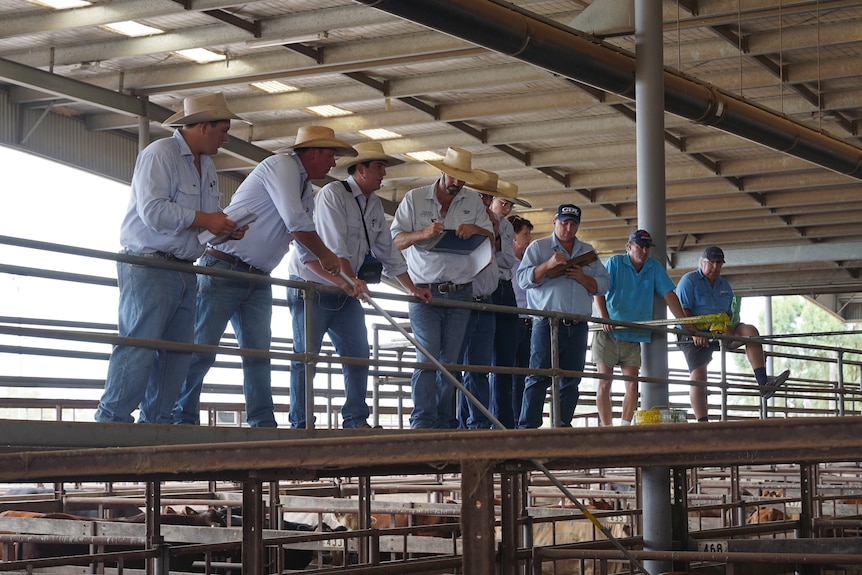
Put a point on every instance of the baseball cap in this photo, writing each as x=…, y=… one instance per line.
x=713, y=254
x=641, y=238
x=568, y=212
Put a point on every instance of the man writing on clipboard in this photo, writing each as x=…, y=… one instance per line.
x=572, y=292
x=421, y=216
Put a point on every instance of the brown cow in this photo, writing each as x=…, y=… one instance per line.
x=765, y=514
x=394, y=520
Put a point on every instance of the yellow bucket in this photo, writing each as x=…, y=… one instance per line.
x=659, y=415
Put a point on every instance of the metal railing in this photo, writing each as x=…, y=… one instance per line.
x=78, y=349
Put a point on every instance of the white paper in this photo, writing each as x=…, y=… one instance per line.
x=239, y=215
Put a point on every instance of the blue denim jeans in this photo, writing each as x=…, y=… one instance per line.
x=478, y=348
x=572, y=342
x=343, y=318
x=154, y=304
x=522, y=359
x=248, y=307
x=505, y=349
x=441, y=331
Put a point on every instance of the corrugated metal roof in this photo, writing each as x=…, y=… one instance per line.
x=802, y=61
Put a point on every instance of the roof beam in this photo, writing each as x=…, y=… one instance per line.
x=108, y=100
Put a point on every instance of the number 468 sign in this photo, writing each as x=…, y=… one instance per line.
x=712, y=546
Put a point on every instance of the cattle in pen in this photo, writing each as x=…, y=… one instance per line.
x=296, y=559
x=555, y=531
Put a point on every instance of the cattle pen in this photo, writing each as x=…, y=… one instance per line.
x=491, y=474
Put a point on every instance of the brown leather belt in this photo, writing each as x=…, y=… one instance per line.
x=161, y=256
x=234, y=261
x=444, y=287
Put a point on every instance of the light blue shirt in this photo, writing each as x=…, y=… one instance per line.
x=520, y=294
x=696, y=294
x=630, y=293
x=418, y=210
x=278, y=191
x=486, y=281
x=560, y=293
x=506, y=260
x=166, y=193
x=338, y=220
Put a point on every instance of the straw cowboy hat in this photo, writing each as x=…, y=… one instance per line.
x=319, y=137
x=456, y=164
x=489, y=186
x=367, y=152
x=509, y=191
x=203, y=108
x=502, y=189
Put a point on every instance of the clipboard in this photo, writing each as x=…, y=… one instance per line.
x=583, y=259
x=446, y=241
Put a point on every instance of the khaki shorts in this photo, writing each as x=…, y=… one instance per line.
x=608, y=350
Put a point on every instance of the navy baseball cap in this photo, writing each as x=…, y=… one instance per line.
x=713, y=254
x=641, y=238
x=569, y=212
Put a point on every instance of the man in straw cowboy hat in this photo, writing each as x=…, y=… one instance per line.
x=571, y=292
x=421, y=216
x=174, y=195
x=279, y=191
x=350, y=219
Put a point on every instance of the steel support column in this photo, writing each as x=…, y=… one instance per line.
x=153, y=528
x=649, y=100
x=364, y=496
x=252, y=527
x=477, y=516
x=144, y=128
x=807, y=488
x=511, y=495
x=680, y=513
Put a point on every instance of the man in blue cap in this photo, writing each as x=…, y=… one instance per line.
x=634, y=278
x=553, y=284
x=704, y=291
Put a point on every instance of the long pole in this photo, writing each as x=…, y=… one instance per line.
x=475, y=402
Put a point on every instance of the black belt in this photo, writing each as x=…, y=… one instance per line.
x=569, y=322
x=444, y=287
x=161, y=256
x=234, y=261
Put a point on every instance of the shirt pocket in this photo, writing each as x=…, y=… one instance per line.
x=189, y=196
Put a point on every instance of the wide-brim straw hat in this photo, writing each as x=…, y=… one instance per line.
x=367, y=152
x=509, y=191
x=203, y=108
x=319, y=137
x=489, y=186
x=457, y=164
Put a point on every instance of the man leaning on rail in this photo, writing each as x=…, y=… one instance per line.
x=279, y=192
x=350, y=219
x=704, y=291
x=174, y=195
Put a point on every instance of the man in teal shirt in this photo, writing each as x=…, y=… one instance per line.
x=634, y=278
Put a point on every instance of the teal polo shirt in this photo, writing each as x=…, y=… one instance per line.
x=630, y=293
